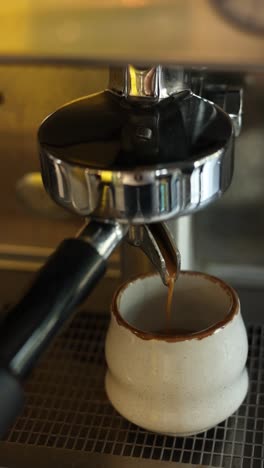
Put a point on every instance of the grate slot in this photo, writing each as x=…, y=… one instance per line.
x=67, y=408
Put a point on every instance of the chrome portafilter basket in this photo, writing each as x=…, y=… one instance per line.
x=144, y=151
x=136, y=162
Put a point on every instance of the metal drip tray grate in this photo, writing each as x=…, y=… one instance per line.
x=67, y=408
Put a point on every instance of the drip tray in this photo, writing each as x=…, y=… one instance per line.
x=67, y=412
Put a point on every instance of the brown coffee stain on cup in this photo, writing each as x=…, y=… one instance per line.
x=177, y=335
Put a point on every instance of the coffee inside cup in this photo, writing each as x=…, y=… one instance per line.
x=198, y=303
x=174, y=331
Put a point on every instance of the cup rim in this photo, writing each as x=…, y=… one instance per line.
x=199, y=335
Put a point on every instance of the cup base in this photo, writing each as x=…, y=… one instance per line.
x=120, y=401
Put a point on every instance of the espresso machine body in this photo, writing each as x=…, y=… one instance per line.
x=155, y=144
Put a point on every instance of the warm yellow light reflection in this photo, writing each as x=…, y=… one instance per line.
x=106, y=176
x=18, y=5
x=141, y=31
x=134, y=3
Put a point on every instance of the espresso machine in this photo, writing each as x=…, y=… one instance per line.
x=155, y=145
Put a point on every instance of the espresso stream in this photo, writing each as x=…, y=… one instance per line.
x=168, y=330
x=172, y=269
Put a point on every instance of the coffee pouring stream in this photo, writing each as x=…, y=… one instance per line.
x=156, y=242
x=138, y=154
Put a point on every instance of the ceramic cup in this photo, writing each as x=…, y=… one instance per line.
x=176, y=384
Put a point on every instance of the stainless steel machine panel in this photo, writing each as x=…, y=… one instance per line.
x=183, y=32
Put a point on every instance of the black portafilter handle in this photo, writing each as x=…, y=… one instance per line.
x=61, y=284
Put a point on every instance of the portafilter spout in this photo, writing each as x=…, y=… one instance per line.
x=156, y=242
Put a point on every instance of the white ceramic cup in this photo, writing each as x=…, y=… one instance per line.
x=179, y=384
